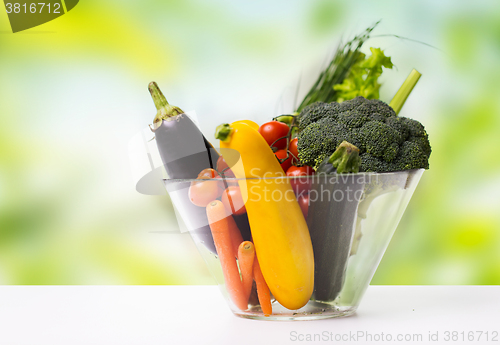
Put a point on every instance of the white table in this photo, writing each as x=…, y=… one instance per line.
x=198, y=315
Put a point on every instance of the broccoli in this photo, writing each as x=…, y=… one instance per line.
x=386, y=142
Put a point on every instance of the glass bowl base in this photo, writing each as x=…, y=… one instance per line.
x=311, y=311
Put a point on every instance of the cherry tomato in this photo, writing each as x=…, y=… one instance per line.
x=208, y=173
x=281, y=154
x=300, y=184
x=303, y=201
x=212, y=174
x=203, y=192
x=292, y=147
x=222, y=166
x=233, y=201
x=304, y=170
x=272, y=131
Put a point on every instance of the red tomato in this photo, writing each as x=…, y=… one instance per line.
x=303, y=201
x=272, y=131
x=221, y=165
x=208, y=173
x=300, y=184
x=233, y=201
x=201, y=193
x=281, y=154
x=212, y=174
x=292, y=147
x=304, y=170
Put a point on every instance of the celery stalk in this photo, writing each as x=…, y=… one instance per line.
x=404, y=91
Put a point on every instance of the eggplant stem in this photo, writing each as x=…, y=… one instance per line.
x=157, y=95
x=165, y=110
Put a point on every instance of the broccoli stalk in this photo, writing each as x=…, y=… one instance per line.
x=345, y=159
x=404, y=91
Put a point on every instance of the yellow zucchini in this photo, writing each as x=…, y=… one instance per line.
x=279, y=230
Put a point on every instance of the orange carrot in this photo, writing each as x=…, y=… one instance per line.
x=220, y=225
x=246, y=255
x=262, y=289
x=236, y=237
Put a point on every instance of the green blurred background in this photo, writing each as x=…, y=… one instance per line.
x=74, y=93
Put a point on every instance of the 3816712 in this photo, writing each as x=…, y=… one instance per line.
x=483, y=336
x=34, y=7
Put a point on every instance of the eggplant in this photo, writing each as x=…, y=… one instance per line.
x=185, y=152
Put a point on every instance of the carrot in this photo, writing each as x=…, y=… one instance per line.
x=246, y=255
x=236, y=237
x=220, y=225
x=262, y=289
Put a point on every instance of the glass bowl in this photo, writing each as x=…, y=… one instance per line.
x=350, y=218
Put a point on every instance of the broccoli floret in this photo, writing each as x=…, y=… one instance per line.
x=415, y=128
x=367, y=107
x=378, y=136
x=352, y=104
x=423, y=143
x=386, y=142
x=308, y=148
x=400, y=125
x=379, y=107
x=315, y=112
x=391, y=152
x=370, y=163
x=354, y=113
x=352, y=119
x=412, y=156
x=318, y=140
x=377, y=117
x=354, y=137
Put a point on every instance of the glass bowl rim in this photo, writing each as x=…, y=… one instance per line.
x=354, y=175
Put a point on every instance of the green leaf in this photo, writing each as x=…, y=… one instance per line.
x=363, y=77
